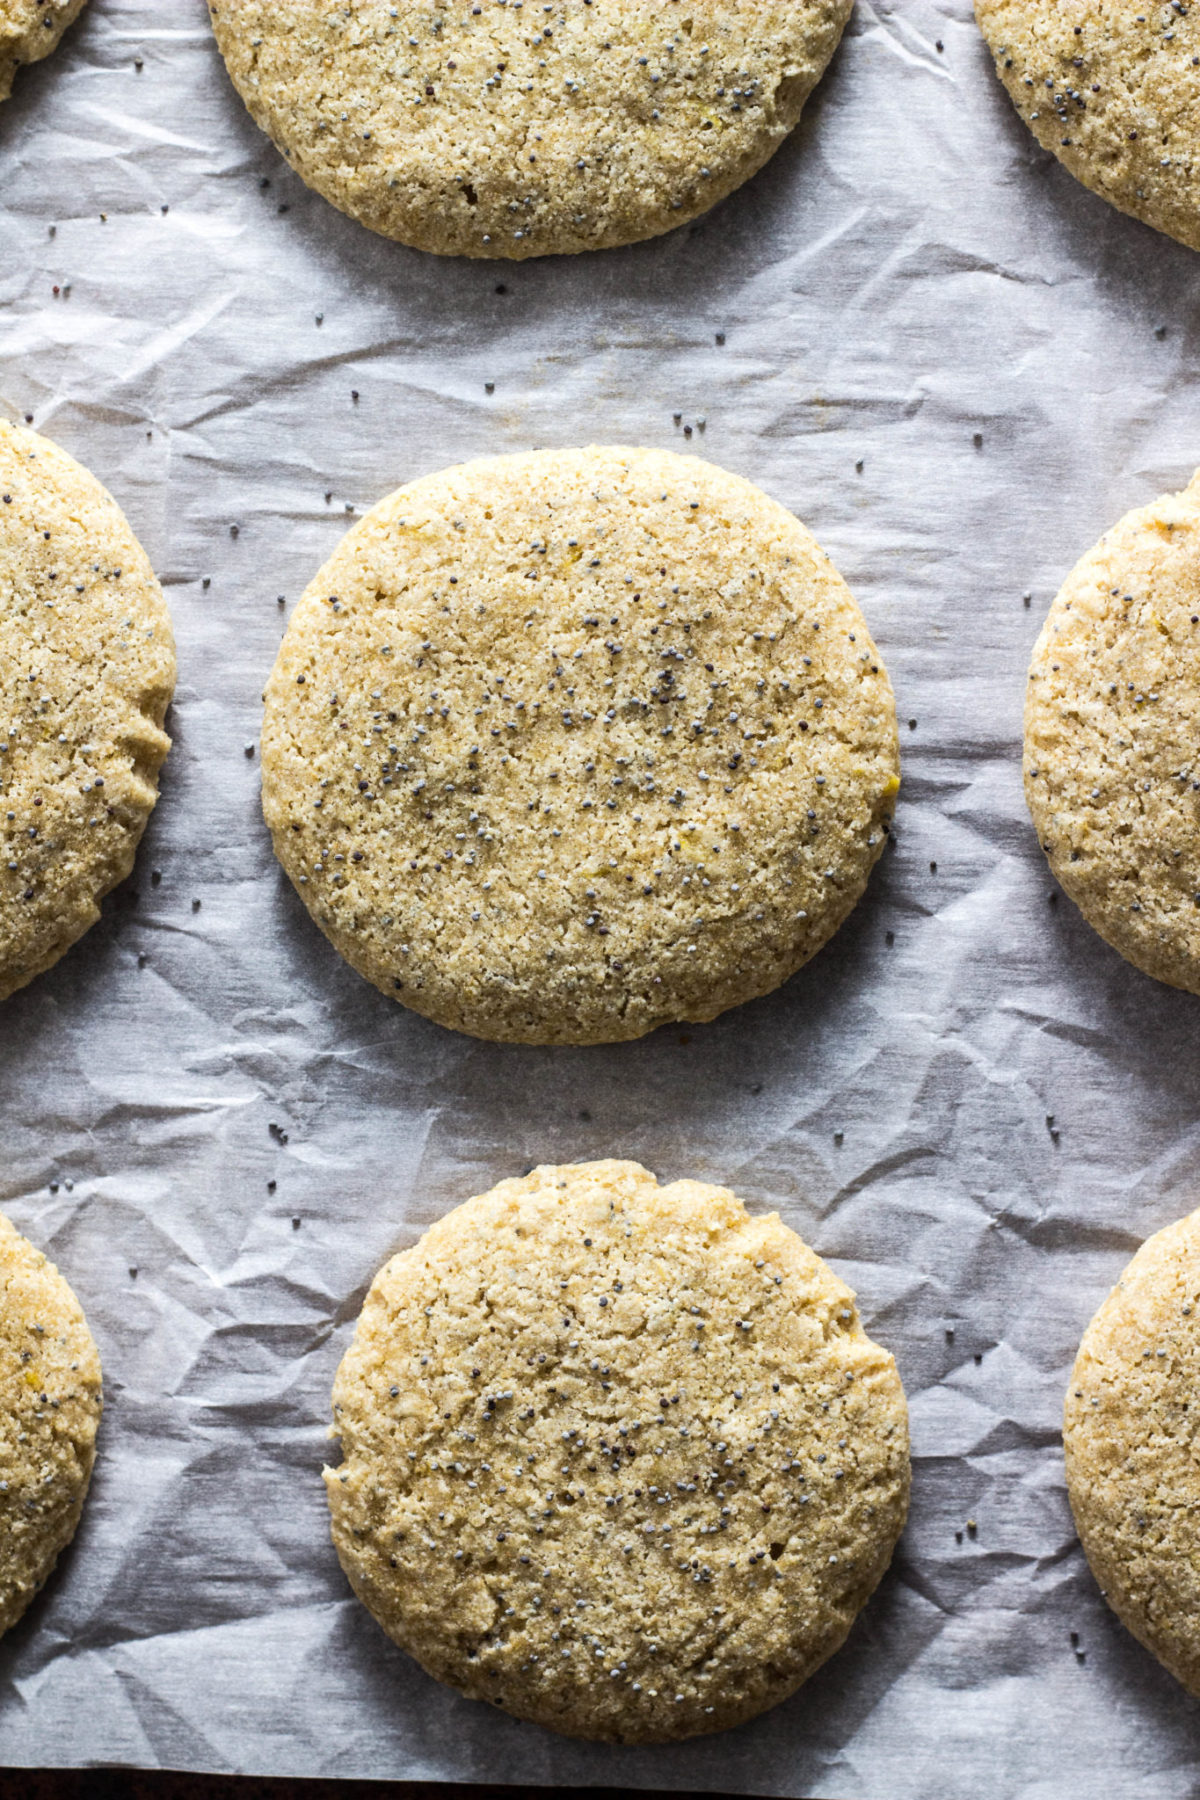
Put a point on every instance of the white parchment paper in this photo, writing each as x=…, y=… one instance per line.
x=219, y=1131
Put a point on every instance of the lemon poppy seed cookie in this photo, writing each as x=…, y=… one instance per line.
x=1113, y=90
x=564, y=746
x=501, y=131
x=29, y=30
x=618, y=1457
x=87, y=668
x=1112, y=737
x=1130, y=1436
x=49, y=1414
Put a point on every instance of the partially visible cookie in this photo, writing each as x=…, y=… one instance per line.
x=1112, y=737
x=618, y=1457
x=87, y=668
x=501, y=131
x=1113, y=89
x=1130, y=1434
x=29, y=30
x=563, y=747
x=49, y=1413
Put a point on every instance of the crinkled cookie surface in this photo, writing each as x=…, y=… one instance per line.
x=49, y=1414
x=87, y=668
x=1130, y=1433
x=499, y=130
x=562, y=747
x=1112, y=88
x=1112, y=737
x=618, y=1457
x=29, y=30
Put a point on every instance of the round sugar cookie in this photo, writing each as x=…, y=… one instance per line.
x=618, y=1457
x=1112, y=737
x=87, y=667
x=29, y=30
x=501, y=130
x=1130, y=1436
x=49, y=1413
x=564, y=746
x=1113, y=89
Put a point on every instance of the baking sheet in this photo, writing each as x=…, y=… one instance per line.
x=219, y=1131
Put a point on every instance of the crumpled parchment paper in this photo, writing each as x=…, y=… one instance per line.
x=219, y=1131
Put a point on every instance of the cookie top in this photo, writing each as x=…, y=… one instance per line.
x=560, y=747
x=1114, y=91
x=1112, y=737
x=1130, y=1434
x=87, y=667
x=618, y=1457
x=498, y=130
x=29, y=30
x=49, y=1413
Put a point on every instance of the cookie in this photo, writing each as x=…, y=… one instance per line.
x=87, y=667
x=1112, y=737
x=1129, y=1429
x=618, y=1457
x=1114, y=92
x=49, y=1414
x=29, y=30
x=506, y=131
x=564, y=746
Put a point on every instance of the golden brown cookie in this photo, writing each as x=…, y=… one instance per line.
x=1112, y=737
x=1130, y=1435
x=29, y=30
x=1113, y=89
x=561, y=747
x=619, y=1458
x=49, y=1413
x=87, y=668
x=514, y=131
